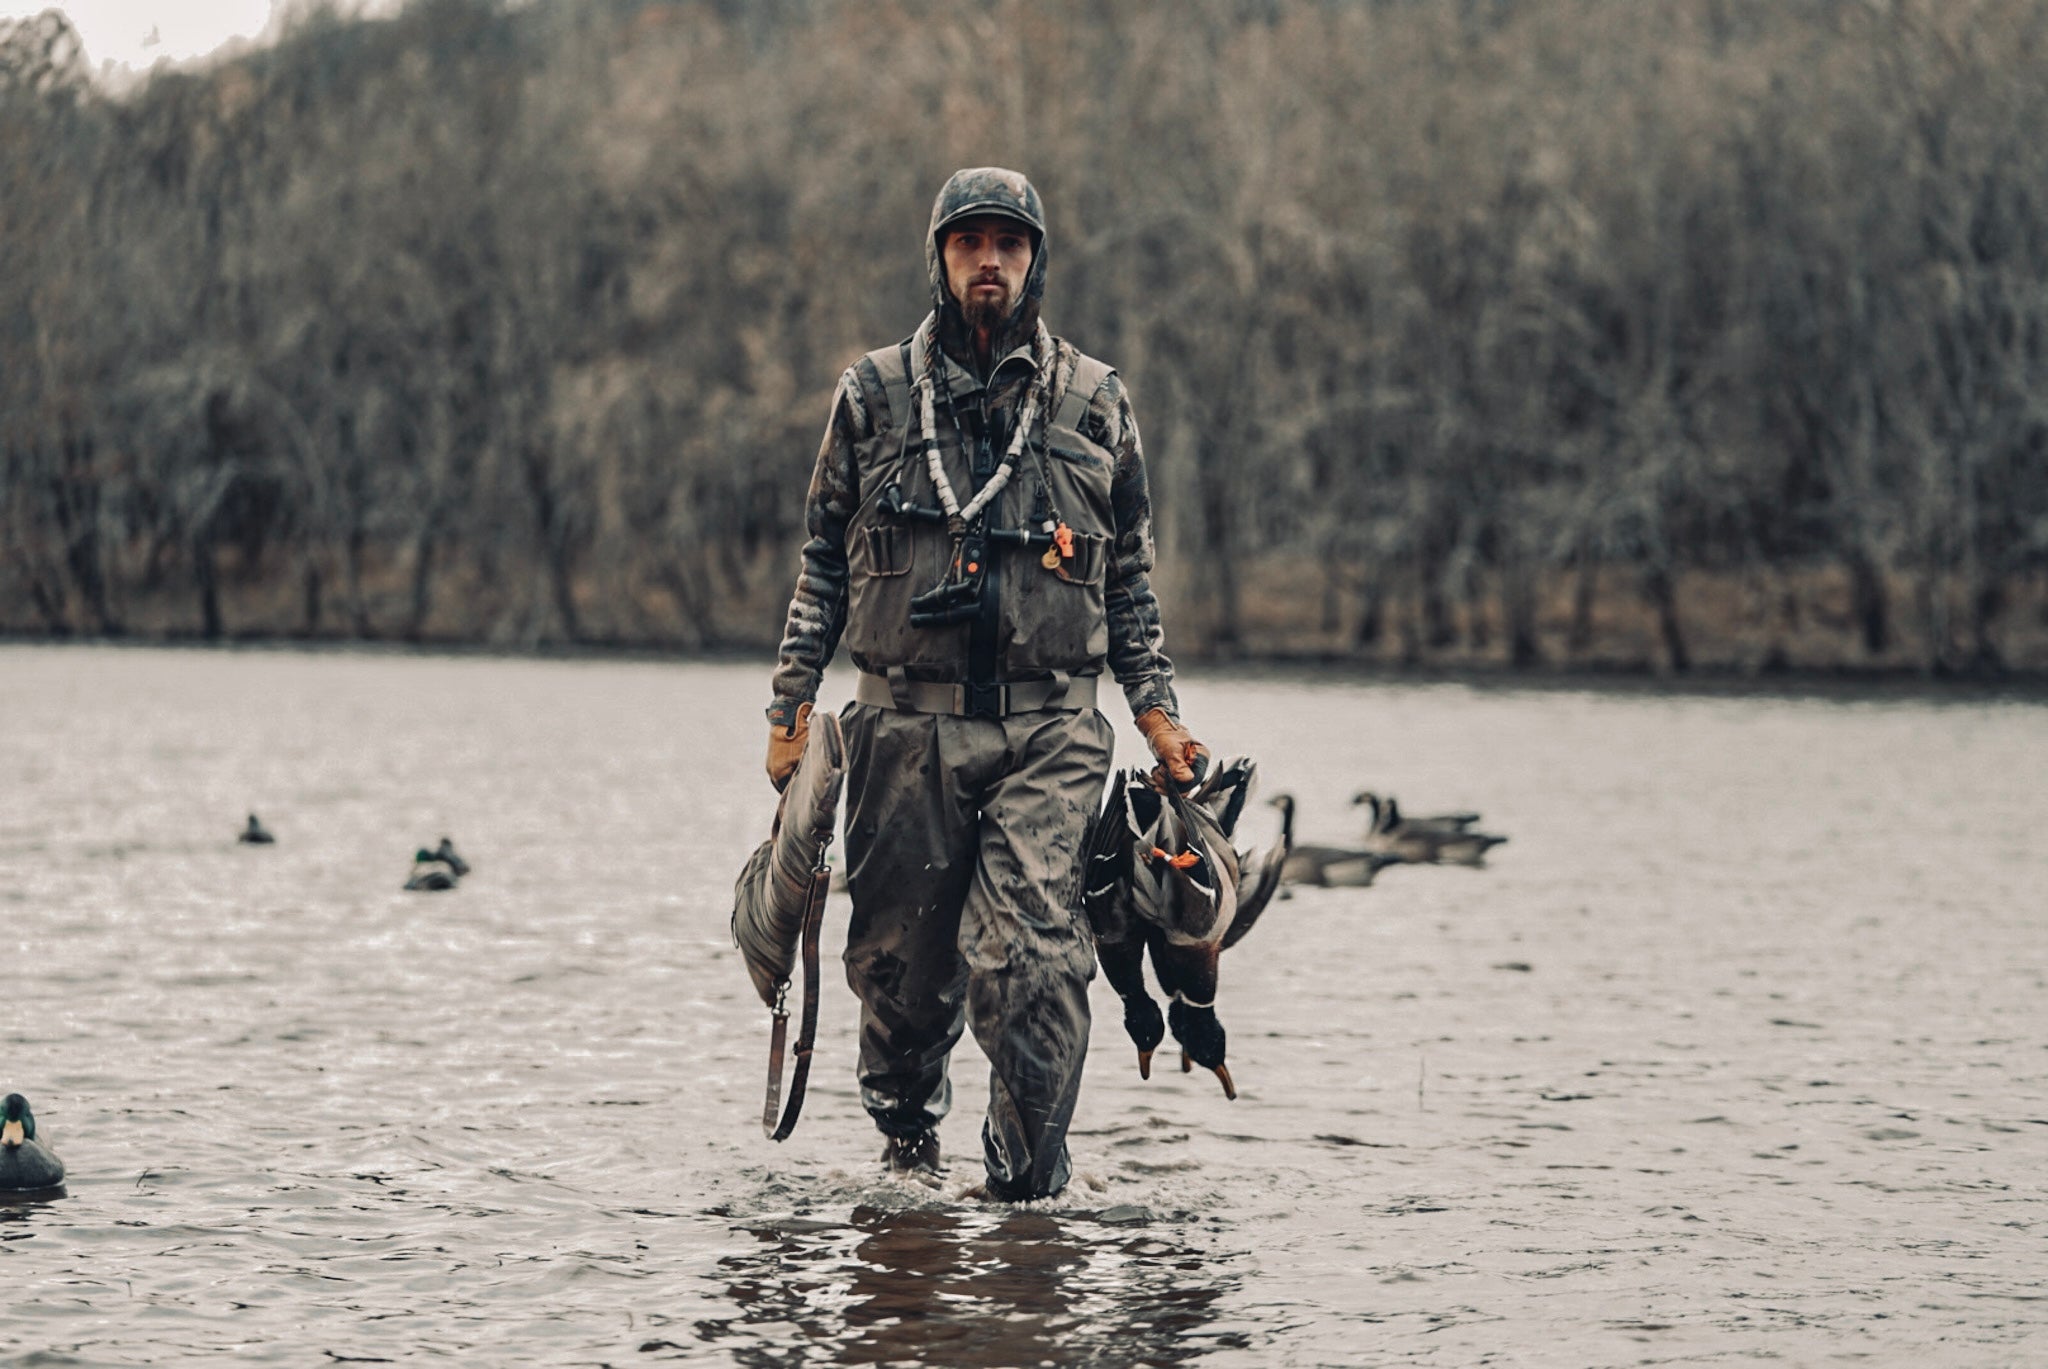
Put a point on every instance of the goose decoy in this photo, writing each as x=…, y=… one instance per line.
x=1467, y=848
x=255, y=834
x=25, y=1162
x=1389, y=812
x=445, y=853
x=1443, y=839
x=1325, y=866
x=431, y=873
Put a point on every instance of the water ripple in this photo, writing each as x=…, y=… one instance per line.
x=1736, y=1051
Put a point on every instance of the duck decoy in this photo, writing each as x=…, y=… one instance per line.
x=1325, y=866
x=1442, y=839
x=255, y=834
x=431, y=873
x=25, y=1162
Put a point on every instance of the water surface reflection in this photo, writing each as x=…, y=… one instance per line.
x=971, y=1288
x=1711, y=1063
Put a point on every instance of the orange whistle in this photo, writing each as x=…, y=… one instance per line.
x=1063, y=538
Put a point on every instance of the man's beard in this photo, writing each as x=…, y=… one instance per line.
x=985, y=313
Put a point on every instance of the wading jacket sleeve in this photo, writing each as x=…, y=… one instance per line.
x=853, y=564
x=1137, y=639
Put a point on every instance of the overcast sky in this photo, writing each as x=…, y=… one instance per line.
x=121, y=31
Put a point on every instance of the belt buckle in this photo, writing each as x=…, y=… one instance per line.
x=984, y=699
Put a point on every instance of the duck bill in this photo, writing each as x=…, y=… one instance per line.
x=1144, y=1064
x=1187, y=1066
x=12, y=1135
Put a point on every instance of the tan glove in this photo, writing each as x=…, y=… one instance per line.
x=786, y=746
x=1181, y=758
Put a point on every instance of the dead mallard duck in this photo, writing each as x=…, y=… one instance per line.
x=1163, y=880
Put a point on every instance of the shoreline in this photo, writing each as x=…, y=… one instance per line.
x=1839, y=682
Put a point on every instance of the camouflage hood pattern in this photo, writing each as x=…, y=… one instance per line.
x=986, y=190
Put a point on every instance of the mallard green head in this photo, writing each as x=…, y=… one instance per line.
x=17, y=1123
x=1202, y=1040
x=26, y=1163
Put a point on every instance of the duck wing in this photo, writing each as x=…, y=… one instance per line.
x=1227, y=789
x=1106, y=893
x=1266, y=867
x=1196, y=868
x=1108, y=900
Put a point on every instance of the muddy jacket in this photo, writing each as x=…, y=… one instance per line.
x=862, y=565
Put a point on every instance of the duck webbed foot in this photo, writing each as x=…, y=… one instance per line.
x=1201, y=1039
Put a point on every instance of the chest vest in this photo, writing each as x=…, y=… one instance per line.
x=1049, y=619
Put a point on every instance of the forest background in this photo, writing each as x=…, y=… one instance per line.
x=1703, y=334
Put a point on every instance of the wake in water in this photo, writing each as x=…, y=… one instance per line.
x=887, y=1269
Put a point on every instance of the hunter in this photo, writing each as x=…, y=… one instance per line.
x=980, y=537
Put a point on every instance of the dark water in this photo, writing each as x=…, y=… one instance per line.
x=1737, y=1052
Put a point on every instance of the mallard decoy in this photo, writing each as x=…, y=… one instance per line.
x=1442, y=839
x=1325, y=866
x=431, y=873
x=25, y=1162
x=255, y=834
x=445, y=853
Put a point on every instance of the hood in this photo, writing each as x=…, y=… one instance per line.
x=986, y=190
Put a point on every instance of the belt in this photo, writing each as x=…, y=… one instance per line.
x=974, y=701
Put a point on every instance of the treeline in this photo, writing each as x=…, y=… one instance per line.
x=1524, y=331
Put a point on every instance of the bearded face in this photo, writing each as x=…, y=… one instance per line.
x=987, y=307
x=987, y=258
